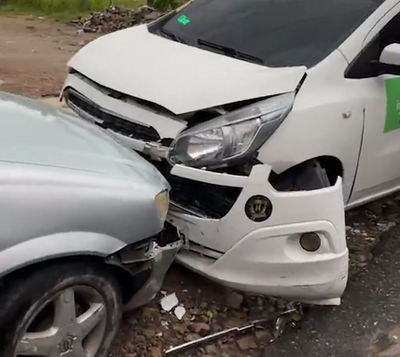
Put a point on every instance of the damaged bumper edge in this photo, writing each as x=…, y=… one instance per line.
x=266, y=257
x=160, y=258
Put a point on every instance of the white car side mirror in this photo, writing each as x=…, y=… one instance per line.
x=391, y=55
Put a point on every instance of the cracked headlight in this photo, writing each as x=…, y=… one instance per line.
x=233, y=135
x=162, y=204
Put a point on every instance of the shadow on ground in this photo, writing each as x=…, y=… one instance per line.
x=368, y=321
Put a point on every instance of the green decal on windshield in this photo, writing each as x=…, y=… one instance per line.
x=392, y=105
x=184, y=20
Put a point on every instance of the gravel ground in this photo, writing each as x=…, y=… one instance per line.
x=367, y=324
x=33, y=54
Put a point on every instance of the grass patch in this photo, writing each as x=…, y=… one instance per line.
x=62, y=10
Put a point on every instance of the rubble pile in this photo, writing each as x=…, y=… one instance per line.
x=116, y=18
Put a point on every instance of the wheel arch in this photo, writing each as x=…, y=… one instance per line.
x=27, y=257
x=332, y=165
x=127, y=283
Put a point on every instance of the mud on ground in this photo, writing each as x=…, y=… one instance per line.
x=33, y=56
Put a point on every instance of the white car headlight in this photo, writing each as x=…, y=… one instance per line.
x=232, y=135
x=162, y=204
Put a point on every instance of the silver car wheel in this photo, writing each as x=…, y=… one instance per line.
x=71, y=324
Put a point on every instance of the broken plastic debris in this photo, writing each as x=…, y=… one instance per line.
x=164, y=323
x=179, y=312
x=169, y=302
x=385, y=226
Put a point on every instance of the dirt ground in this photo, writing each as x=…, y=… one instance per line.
x=34, y=53
x=33, y=57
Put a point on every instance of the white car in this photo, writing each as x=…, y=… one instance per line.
x=268, y=118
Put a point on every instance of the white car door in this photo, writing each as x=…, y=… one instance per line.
x=379, y=163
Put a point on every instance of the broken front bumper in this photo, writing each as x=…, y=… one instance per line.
x=266, y=257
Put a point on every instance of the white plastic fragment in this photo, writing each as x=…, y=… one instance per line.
x=179, y=312
x=169, y=302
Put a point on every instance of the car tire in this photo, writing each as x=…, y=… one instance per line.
x=58, y=309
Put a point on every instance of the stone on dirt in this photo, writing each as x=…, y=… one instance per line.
x=192, y=337
x=247, y=343
x=149, y=312
x=234, y=300
x=117, y=18
x=149, y=333
x=212, y=350
x=200, y=328
x=263, y=335
x=156, y=352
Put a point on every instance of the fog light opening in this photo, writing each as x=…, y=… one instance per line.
x=310, y=242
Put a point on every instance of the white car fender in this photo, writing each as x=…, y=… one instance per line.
x=327, y=120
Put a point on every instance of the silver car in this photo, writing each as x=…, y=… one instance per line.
x=82, y=232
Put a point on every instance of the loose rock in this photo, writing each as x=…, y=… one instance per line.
x=212, y=350
x=234, y=300
x=149, y=333
x=247, y=343
x=192, y=337
x=149, y=312
x=263, y=335
x=200, y=328
x=156, y=352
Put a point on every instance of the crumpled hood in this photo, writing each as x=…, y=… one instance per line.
x=35, y=133
x=176, y=76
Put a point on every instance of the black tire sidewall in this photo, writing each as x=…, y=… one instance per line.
x=23, y=299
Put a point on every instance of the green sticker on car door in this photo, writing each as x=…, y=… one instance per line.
x=392, y=105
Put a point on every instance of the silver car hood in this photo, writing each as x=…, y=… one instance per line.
x=176, y=76
x=35, y=133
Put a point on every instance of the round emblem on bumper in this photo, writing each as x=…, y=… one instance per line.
x=258, y=208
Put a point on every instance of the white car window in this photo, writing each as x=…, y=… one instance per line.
x=365, y=66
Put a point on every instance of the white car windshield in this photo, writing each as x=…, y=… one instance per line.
x=274, y=33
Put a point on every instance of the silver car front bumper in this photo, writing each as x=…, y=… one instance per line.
x=160, y=258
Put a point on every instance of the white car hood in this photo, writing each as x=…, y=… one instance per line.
x=176, y=76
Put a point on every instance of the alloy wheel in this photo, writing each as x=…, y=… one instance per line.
x=71, y=324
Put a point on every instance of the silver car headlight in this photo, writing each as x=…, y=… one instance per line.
x=232, y=135
x=162, y=204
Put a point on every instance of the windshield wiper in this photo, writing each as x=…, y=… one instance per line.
x=231, y=52
x=171, y=35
